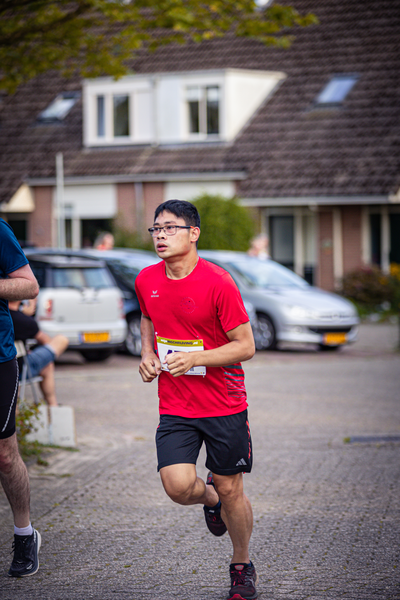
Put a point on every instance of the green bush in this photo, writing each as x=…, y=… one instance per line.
x=225, y=225
x=371, y=289
x=26, y=421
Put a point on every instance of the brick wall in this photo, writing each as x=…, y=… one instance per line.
x=351, y=234
x=325, y=277
x=126, y=206
x=41, y=225
x=153, y=195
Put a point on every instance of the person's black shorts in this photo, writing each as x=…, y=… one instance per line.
x=227, y=439
x=8, y=397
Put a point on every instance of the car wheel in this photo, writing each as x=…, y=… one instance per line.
x=264, y=333
x=133, y=341
x=96, y=355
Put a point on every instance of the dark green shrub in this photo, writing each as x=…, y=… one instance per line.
x=370, y=288
x=225, y=225
x=26, y=421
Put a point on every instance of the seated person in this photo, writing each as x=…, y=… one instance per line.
x=41, y=358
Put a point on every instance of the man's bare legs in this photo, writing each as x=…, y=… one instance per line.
x=236, y=513
x=47, y=385
x=15, y=481
x=59, y=344
x=183, y=486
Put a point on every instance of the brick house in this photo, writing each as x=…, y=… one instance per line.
x=308, y=138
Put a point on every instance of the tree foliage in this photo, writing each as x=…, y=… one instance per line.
x=100, y=37
x=225, y=225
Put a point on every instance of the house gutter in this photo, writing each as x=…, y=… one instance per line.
x=314, y=201
x=140, y=178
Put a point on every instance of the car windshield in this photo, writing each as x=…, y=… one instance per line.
x=266, y=273
x=74, y=277
x=124, y=271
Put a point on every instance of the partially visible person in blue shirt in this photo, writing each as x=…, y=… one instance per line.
x=17, y=282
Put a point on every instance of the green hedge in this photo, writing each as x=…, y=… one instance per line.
x=370, y=288
x=225, y=225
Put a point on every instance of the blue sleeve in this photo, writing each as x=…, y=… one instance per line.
x=11, y=255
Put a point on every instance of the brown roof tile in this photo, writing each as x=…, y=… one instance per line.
x=289, y=148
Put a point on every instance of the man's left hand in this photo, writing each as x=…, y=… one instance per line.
x=180, y=363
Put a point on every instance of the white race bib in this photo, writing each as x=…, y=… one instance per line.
x=166, y=346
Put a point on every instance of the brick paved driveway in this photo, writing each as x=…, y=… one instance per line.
x=325, y=487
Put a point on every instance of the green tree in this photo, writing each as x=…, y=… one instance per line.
x=100, y=37
x=225, y=225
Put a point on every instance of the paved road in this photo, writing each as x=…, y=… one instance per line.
x=325, y=486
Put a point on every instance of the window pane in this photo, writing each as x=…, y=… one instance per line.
x=59, y=108
x=193, y=93
x=97, y=278
x=101, y=124
x=194, y=126
x=282, y=240
x=68, y=278
x=212, y=110
x=121, y=116
x=375, y=228
x=336, y=90
x=394, y=238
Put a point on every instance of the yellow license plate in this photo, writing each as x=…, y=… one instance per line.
x=96, y=338
x=334, y=339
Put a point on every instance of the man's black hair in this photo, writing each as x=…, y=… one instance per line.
x=180, y=208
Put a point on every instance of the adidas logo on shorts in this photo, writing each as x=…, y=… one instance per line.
x=241, y=462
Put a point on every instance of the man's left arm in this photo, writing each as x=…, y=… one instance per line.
x=20, y=285
x=239, y=348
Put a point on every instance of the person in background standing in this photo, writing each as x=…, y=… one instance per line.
x=259, y=246
x=104, y=241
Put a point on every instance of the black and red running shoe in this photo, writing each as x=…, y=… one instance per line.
x=212, y=514
x=243, y=582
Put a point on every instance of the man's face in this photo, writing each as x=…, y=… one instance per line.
x=180, y=244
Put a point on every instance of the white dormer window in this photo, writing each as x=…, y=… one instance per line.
x=118, y=112
x=203, y=110
x=173, y=108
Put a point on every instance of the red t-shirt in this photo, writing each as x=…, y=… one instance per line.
x=201, y=306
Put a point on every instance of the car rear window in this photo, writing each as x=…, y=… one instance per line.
x=73, y=277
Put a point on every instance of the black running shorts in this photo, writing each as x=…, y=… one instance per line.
x=8, y=397
x=227, y=440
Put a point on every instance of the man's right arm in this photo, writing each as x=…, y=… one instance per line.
x=150, y=366
x=20, y=285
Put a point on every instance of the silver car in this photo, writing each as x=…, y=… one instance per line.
x=288, y=309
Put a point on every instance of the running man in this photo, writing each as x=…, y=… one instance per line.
x=17, y=282
x=193, y=314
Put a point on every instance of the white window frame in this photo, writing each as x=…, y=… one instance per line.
x=108, y=89
x=202, y=81
x=202, y=134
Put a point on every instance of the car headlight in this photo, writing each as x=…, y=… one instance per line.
x=298, y=313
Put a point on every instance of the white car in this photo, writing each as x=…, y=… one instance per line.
x=78, y=298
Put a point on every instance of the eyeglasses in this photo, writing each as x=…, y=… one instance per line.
x=168, y=229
